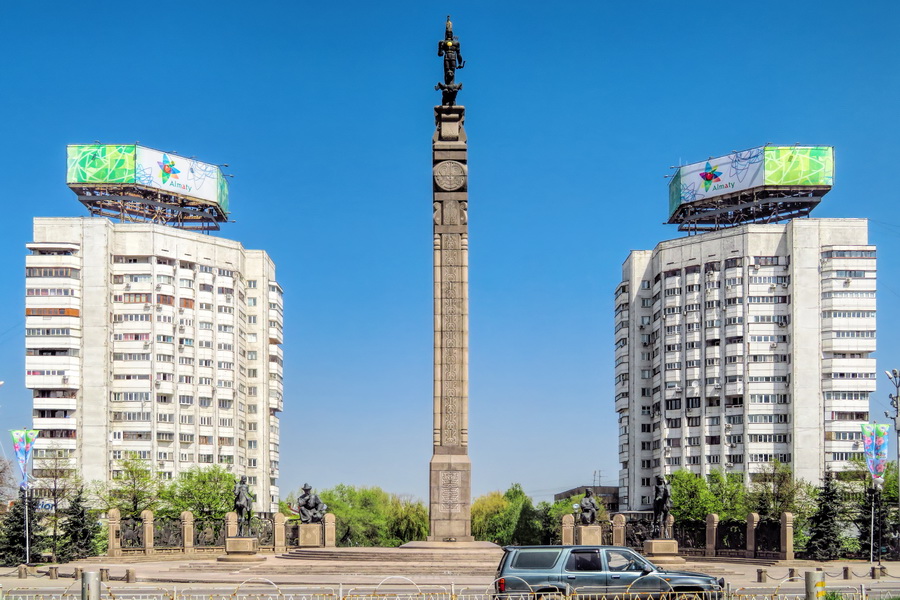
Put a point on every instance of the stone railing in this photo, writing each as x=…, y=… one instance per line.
x=752, y=538
x=149, y=535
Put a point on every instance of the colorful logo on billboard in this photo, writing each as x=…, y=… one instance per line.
x=710, y=175
x=167, y=166
x=875, y=444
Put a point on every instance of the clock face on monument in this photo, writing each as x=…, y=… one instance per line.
x=449, y=175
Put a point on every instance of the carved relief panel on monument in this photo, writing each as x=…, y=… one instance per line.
x=450, y=176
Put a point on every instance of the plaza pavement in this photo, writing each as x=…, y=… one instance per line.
x=341, y=575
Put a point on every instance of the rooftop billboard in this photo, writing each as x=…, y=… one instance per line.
x=757, y=167
x=124, y=164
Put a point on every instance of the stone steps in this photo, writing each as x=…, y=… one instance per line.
x=395, y=555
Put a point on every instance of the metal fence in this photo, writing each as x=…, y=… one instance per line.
x=431, y=592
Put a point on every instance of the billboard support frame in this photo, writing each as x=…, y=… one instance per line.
x=767, y=184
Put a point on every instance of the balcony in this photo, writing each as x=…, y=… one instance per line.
x=55, y=423
x=276, y=335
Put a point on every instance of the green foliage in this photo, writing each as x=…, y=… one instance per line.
x=508, y=518
x=207, y=492
x=850, y=546
x=729, y=495
x=101, y=539
x=372, y=517
x=824, y=525
x=79, y=528
x=873, y=508
x=691, y=498
x=776, y=491
x=487, y=515
x=135, y=490
x=407, y=520
x=12, y=532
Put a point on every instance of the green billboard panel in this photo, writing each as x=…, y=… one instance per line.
x=222, y=193
x=99, y=163
x=675, y=192
x=799, y=165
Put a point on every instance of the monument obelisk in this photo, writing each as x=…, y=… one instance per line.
x=450, y=468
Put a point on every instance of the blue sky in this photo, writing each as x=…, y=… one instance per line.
x=323, y=111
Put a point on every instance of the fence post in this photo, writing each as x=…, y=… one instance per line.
x=787, y=536
x=330, y=530
x=279, y=523
x=231, y=524
x=187, y=532
x=568, y=530
x=752, y=522
x=618, y=526
x=761, y=575
x=669, y=528
x=712, y=526
x=114, y=535
x=147, y=524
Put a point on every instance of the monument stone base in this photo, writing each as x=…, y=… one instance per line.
x=662, y=552
x=241, y=549
x=468, y=544
x=588, y=535
x=311, y=535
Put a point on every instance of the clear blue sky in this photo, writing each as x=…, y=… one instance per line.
x=575, y=110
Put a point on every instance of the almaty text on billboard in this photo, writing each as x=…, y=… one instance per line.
x=131, y=164
x=758, y=167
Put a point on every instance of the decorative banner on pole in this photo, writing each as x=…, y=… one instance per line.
x=23, y=441
x=875, y=441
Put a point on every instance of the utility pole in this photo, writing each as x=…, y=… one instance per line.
x=894, y=376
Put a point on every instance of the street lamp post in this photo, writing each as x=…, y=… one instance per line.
x=894, y=376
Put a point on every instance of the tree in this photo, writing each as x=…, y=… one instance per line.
x=691, y=498
x=775, y=491
x=57, y=480
x=80, y=528
x=135, y=488
x=8, y=489
x=407, y=520
x=824, y=526
x=873, y=508
x=508, y=518
x=487, y=515
x=729, y=494
x=360, y=514
x=206, y=492
x=12, y=532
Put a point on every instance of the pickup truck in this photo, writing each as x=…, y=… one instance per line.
x=548, y=571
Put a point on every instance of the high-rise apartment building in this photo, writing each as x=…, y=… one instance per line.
x=147, y=339
x=744, y=345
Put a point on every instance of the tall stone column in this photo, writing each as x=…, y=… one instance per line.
x=450, y=467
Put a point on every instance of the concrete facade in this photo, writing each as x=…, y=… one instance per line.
x=450, y=467
x=146, y=339
x=744, y=345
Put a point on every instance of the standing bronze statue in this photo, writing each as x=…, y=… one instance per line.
x=662, y=505
x=243, y=506
x=449, y=49
x=589, y=508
